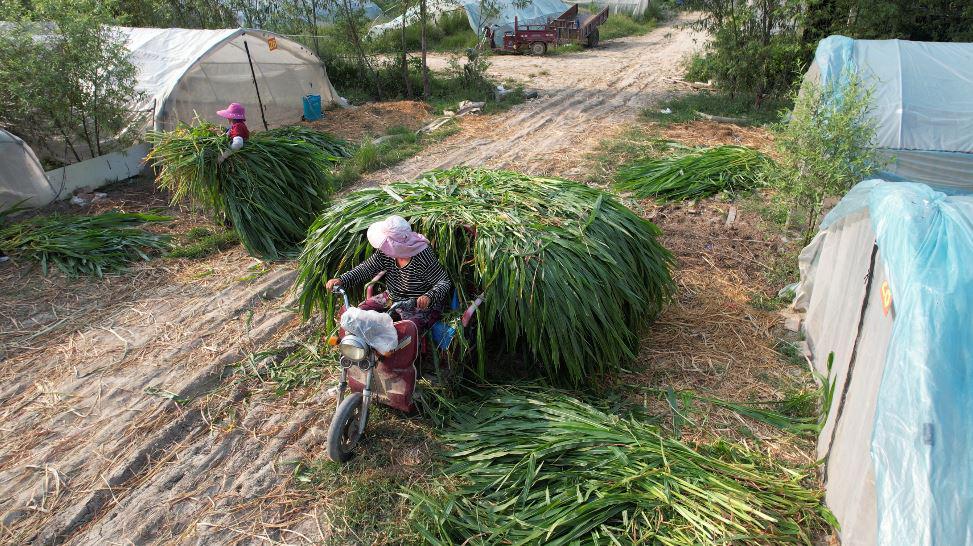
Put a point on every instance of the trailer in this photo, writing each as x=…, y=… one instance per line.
x=567, y=28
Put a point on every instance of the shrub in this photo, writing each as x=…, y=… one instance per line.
x=755, y=50
x=826, y=147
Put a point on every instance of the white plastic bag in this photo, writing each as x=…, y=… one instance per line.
x=374, y=327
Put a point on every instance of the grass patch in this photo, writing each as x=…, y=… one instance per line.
x=790, y=352
x=783, y=268
x=771, y=304
x=449, y=32
x=365, y=501
x=637, y=142
x=443, y=102
x=398, y=144
x=796, y=412
x=685, y=107
x=566, y=49
x=201, y=242
x=620, y=25
x=298, y=365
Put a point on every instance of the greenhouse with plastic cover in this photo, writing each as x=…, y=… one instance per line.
x=887, y=288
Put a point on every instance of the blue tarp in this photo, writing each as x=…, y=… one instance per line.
x=500, y=16
x=922, y=94
x=922, y=441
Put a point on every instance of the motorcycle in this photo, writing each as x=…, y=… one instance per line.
x=351, y=415
x=388, y=378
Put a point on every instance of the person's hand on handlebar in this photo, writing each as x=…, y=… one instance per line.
x=423, y=302
x=332, y=283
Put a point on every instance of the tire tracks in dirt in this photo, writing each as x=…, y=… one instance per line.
x=584, y=98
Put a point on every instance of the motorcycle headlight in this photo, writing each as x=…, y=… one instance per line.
x=353, y=348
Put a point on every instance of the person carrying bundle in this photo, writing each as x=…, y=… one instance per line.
x=412, y=270
x=238, y=132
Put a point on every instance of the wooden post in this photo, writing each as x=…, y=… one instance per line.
x=253, y=75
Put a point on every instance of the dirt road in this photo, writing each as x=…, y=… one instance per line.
x=123, y=423
x=584, y=98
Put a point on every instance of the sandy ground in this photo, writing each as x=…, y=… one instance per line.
x=125, y=422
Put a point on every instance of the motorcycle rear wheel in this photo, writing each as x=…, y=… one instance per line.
x=343, y=434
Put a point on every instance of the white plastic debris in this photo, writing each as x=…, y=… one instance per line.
x=666, y=111
x=374, y=327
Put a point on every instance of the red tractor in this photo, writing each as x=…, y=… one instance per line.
x=567, y=28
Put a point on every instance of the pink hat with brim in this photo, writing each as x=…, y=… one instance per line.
x=395, y=238
x=234, y=111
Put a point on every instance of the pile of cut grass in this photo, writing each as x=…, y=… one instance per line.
x=569, y=275
x=336, y=148
x=541, y=467
x=83, y=245
x=695, y=173
x=271, y=190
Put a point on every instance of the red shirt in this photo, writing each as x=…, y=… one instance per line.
x=238, y=129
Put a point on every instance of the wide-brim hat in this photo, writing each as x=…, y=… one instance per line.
x=234, y=111
x=394, y=237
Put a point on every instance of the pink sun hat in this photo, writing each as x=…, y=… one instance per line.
x=395, y=238
x=234, y=111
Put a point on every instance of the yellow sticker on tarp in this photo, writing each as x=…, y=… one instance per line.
x=886, y=298
x=272, y=42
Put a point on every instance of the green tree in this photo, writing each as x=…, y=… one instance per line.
x=756, y=48
x=923, y=20
x=826, y=147
x=174, y=13
x=68, y=84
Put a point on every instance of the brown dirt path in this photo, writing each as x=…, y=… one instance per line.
x=95, y=448
x=584, y=98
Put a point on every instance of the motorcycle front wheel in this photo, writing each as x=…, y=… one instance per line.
x=343, y=434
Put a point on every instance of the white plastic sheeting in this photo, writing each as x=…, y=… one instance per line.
x=22, y=177
x=375, y=328
x=922, y=103
x=890, y=300
x=499, y=15
x=434, y=8
x=636, y=8
x=187, y=72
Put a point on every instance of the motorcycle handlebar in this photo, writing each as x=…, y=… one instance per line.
x=410, y=303
x=405, y=304
x=337, y=289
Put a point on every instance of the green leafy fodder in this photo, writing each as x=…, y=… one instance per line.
x=83, y=245
x=271, y=190
x=541, y=467
x=796, y=413
x=695, y=173
x=336, y=148
x=568, y=274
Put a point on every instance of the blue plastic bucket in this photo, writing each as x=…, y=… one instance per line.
x=312, y=107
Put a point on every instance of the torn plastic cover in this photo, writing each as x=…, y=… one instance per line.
x=374, y=327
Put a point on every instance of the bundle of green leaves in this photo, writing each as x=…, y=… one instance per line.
x=695, y=173
x=83, y=245
x=336, y=148
x=569, y=275
x=541, y=467
x=271, y=190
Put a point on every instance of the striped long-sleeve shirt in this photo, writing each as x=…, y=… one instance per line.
x=423, y=276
